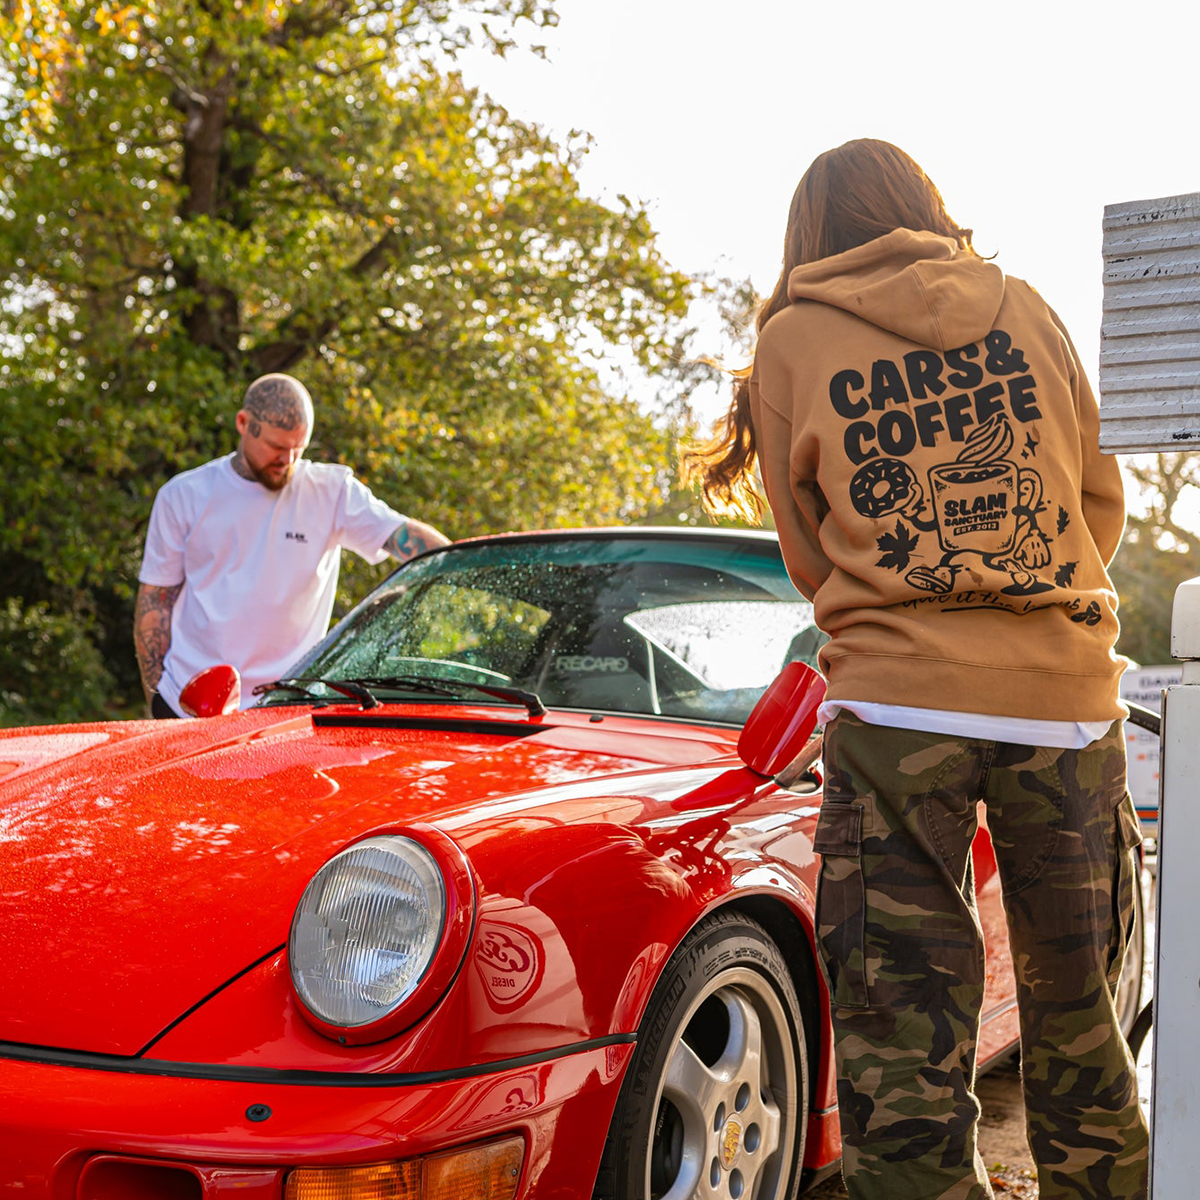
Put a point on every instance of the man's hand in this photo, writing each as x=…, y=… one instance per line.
x=152, y=632
x=411, y=538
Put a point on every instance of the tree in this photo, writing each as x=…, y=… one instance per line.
x=1158, y=553
x=197, y=193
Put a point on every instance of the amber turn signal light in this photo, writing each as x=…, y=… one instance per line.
x=487, y=1172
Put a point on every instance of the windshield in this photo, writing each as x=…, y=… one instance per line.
x=691, y=628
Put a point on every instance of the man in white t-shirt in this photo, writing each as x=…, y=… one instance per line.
x=242, y=554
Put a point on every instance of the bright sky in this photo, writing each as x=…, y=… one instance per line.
x=1029, y=116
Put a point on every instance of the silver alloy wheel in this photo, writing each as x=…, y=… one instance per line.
x=1128, y=999
x=726, y=1124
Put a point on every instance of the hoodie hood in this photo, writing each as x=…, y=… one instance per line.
x=919, y=285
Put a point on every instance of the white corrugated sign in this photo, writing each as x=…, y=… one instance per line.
x=1150, y=332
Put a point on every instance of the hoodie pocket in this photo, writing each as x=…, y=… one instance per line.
x=841, y=902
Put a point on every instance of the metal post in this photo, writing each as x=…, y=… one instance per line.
x=1175, y=1092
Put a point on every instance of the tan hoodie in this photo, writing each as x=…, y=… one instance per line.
x=929, y=446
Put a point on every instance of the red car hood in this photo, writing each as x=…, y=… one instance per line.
x=146, y=865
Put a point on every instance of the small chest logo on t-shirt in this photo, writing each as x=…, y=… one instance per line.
x=295, y=536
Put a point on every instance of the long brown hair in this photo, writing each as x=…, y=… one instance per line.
x=847, y=197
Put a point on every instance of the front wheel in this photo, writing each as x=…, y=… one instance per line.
x=716, y=1099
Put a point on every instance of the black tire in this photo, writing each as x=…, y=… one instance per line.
x=1141, y=1027
x=1129, y=986
x=715, y=1102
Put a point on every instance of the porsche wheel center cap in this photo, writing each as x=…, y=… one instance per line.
x=731, y=1144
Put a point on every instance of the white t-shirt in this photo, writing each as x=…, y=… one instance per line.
x=1021, y=731
x=259, y=568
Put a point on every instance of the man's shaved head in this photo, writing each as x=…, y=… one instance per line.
x=278, y=400
x=275, y=423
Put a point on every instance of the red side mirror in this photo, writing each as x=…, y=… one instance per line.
x=212, y=692
x=783, y=720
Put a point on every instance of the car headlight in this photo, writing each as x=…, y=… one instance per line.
x=379, y=933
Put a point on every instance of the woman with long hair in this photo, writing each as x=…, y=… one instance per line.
x=928, y=444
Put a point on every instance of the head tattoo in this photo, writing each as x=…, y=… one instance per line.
x=277, y=400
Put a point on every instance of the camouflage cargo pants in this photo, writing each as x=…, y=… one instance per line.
x=903, y=956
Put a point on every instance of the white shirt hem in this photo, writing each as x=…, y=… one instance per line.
x=1021, y=731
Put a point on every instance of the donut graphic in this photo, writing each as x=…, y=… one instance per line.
x=885, y=486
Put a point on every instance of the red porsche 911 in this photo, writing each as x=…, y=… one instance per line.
x=506, y=892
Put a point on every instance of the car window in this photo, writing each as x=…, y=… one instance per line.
x=448, y=621
x=710, y=658
x=687, y=627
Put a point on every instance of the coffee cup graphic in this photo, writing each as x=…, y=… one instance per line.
x=976, y=503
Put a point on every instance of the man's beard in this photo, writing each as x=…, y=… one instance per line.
x=273, y=483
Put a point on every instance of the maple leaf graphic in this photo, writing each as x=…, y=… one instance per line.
x=1064, y=518
x=1065, y=574
x=897, y=547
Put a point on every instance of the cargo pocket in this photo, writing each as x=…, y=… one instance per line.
x=1127, y=837
x=841, y=897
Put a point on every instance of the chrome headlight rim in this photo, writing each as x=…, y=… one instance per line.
x=447, y=958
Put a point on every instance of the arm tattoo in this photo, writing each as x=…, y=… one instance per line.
x=152, y=631
x=407, y=542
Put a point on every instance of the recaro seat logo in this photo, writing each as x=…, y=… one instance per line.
x=590, y=664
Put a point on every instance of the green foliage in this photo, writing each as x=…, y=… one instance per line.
x=1158, y=553
x=49, y=669
x=1146, y=577
x=194, y=195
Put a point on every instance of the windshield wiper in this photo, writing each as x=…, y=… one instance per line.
x=431, y=683
x=348, y=687
x=360, y=689
x=285, y=685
